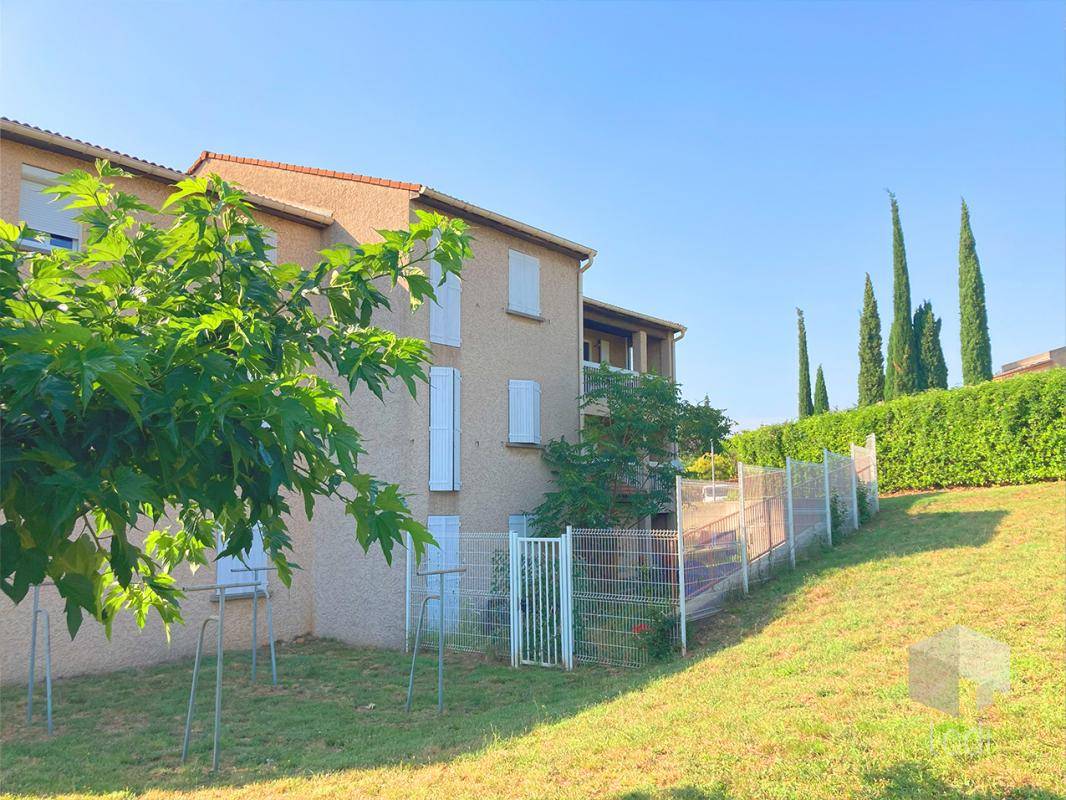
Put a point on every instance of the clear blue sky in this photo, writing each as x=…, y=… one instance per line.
x=729, y=162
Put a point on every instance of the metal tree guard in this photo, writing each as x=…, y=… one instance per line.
x=439, y=597
x=37, y=610
x=255, y=621
x=219, y=621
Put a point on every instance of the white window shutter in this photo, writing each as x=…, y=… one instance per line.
x=519, y=523
x=45, y=212
x=444, y=430
x=270, y=241
x=523, y=282
x=229, y=569
x=523, y=412
x=445, y=313
x=445, y=529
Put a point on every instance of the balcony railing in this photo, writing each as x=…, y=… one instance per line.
x=594, y=378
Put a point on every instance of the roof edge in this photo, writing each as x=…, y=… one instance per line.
x=662, y=323
x=33, y=136
x=325, y=173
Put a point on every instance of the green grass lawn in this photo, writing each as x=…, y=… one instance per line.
x=799, y=691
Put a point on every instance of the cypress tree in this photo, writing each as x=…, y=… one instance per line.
x=932, y=369
x=901, y=367
x=806, y=407
x=871, y=360
x=821, y=396
x=918, y=327
x=973, y=328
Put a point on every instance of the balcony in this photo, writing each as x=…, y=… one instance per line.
x=594, y=378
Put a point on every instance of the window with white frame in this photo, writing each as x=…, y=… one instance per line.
x=45, y=213
x=444, y=430
x=523, y=283
x=523, y=409
x=231, y=569
x=444, y=314
x=270, y=241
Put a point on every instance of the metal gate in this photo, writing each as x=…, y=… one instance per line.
x=541, y=606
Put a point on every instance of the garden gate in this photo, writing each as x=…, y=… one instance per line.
x=541, y=604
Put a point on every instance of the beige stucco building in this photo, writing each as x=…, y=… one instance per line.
x=510, y=344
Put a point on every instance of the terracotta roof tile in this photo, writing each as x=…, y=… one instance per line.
x=326, y=173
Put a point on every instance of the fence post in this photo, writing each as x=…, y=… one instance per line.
x=871, y=442
x=406, y=596
x=566, y=559
x=743, y=529
x=680, y=564
x=828, y=499
x=854, y=493
x=513, y=573
x=791, y=528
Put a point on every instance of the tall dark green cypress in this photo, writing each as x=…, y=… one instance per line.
x=821, y=396
x=973, y=323
x=806, y=406
x=918, y=327
x=871, y=360
x=932, y=369
x=901, y=367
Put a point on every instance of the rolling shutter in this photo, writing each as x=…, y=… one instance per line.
x=445, y=313
x=524, y=412
x=444, y=430
x=44, y=212
x=523, y=283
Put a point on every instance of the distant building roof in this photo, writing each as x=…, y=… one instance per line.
x=1037, y=363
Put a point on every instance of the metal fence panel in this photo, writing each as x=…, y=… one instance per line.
x=624, y=588
x=808, y=505
x=842, y=493
x=710, y=530
x=477, y=613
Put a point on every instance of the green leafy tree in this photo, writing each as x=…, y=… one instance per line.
x=932, y=369
x=973, y=315
x=901, y=368
x=622, y=467
x=821, y=396
x=169, y=372
x=871, y=360
x=701, y=429
x=806, y=405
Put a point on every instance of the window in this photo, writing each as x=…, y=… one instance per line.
x=519, y=523
x=586, y=350
x=444, y=429
x=524, y=412
x=523, y=283
x=229, y=569
x=44, y=213
x=444, y=314
x=270, y=241
x=445, y=529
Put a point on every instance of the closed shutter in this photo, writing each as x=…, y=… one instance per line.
x=445, y=529
x=444, y=430
x=44, y=213
x=519, y=523
x=523, y=283
x=524, y=412
x=445, y=313
x=228, y=569
x=270, y=241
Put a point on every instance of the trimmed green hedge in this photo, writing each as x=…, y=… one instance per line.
x=997, y=432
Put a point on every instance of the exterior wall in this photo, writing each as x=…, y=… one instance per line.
x=130, y=646
x=359, y=598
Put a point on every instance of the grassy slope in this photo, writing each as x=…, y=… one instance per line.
x=798, y=692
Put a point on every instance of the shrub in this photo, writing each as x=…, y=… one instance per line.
x=998, y=432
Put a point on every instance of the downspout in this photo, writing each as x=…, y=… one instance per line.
x=581, y=333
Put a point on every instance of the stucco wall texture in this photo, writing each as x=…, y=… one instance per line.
x=341, y=591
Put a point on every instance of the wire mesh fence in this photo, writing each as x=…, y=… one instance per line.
x=477, y=610
x=808, y=505
x=843, y=506
x=620, y=597
x=625, y=594
x=711, y=536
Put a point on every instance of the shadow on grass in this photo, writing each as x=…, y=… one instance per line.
x=909, y=779
x=340, y=708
